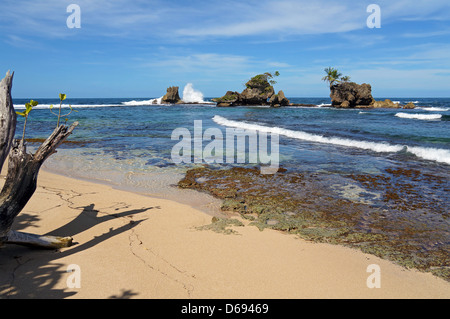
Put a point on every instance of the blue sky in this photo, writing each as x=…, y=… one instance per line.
x=138, y=48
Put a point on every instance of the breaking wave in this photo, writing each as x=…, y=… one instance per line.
x=419, y=116
x=146, y=102
x=190, y=95
x=435, y=109
x=433, y=154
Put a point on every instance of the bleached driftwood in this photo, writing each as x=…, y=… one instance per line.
x=23, y=170
x=7, y=118
x=50, y=242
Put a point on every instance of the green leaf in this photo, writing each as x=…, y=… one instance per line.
x=62, y=96
x=21, y=114
x=51, y=106
x=71, y=108
x=34, y=103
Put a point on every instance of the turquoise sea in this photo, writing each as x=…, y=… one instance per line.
x=127, y=142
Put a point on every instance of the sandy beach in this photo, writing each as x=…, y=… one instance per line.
x=133, y=246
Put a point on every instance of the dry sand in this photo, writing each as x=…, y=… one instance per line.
x=133, y=246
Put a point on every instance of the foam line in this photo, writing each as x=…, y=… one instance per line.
x=434, y=154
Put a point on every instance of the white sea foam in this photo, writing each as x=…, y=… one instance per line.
x=439, y=155
x=323, y=105
x=419, y=116
x=145, y=102
x=399, y=102
x=47, y=106
x=190, y=95
x=435, y=109
x=432, y=154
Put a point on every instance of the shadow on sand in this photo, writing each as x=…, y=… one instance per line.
x=32, y=273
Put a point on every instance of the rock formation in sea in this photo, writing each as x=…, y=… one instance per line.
x=229, y=99
x=410, y=106
x=386, y=104
x=172, y=96
x=278, y=100
x=351, y=94
x=258, y=91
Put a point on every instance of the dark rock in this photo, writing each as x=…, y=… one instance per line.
x=172, y=96
x=256, y=96
x=229, y=99
x=350, y=94
x=224, y=104
x=410, y=106
x=278, y=100
x=258, y=91
x=386, y=104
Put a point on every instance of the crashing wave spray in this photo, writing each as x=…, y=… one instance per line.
x=190, y=95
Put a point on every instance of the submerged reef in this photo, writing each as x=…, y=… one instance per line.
x=394, y=215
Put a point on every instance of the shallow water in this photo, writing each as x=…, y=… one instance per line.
x=117, y=138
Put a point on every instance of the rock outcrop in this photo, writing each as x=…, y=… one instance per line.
x=258, y=91
x=386, y=104
x=172, y=96
x=229, y=99
x=278, y=100
x=410, y=106
x=350, y=94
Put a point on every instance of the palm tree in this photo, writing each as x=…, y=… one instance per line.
x=345, y=79
x=333, y=75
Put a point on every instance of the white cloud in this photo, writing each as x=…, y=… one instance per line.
x=174, y=20
x=212, y=63
x=285, y=17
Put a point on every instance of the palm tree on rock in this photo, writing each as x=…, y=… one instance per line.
x=333, y=75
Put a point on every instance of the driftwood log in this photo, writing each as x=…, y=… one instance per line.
x=7, y=118
x=22, y=174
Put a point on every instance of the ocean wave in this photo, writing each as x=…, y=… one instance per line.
x=65, y=106
x=438, y=155
x=190, y=95
x=145, y=102
x=419, y=116
x=435, y=109
x=323, y=105
x=399, y=102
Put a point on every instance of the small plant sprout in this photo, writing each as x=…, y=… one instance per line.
x=28, y=107
x=62, y=97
